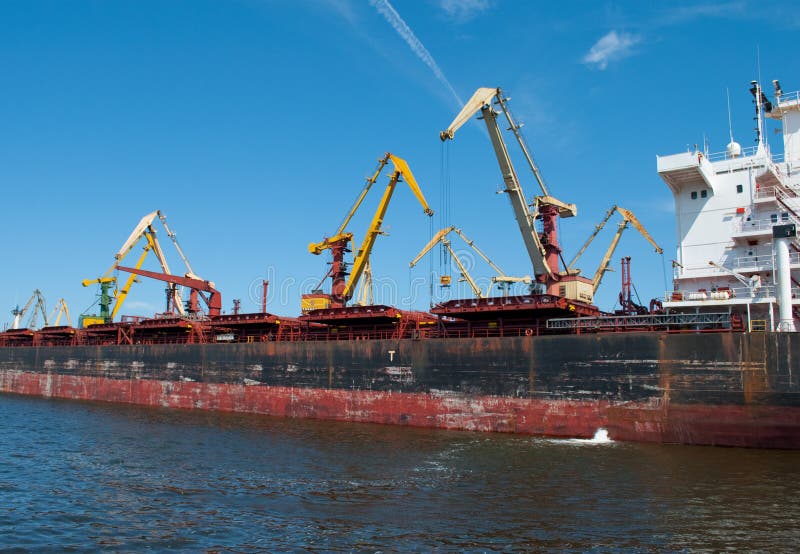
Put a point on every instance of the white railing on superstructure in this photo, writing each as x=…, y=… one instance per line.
x=764, y=224
x=772, y=162
x=719, y=156
x=724, y=294
x=761, y=261
x=780, y=194
x=746, y=157
x=763, y=193
x=788, y=197
x=790, y=97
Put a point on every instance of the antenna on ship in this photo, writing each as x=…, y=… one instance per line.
x=762, y=103
x=734, y=149
x=759, y=99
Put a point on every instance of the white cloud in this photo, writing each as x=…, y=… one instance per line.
x=405, y=32
x=611, y=47
x=463, y=10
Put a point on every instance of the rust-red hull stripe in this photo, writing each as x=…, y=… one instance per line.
x=693, y=424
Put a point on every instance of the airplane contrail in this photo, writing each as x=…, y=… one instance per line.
x=405, y=32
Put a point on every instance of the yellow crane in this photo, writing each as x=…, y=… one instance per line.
x=627, y=219
x=343, y=287
x=441, y=237
x=105, y=302
x=60, y=309
x=144, y=231
x=365, y=296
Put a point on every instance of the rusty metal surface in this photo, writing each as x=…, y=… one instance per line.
x=693, y=388
x=529, y=308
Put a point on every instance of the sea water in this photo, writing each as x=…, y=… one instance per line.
x=92, y=476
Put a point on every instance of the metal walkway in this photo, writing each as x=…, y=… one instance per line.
x=702, y=320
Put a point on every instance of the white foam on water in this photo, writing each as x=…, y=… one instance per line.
x=600, y=437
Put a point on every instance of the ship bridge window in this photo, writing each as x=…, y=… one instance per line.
x=773, y=218
x=703, y=193
x=785, y=216
x=694, y=195
x=739, y=188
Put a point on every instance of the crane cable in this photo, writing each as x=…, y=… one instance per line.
x=430, y=264
x=445, y=199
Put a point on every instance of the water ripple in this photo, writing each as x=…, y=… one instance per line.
x=86, y=476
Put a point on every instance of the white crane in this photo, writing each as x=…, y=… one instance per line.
x=38, y=308
x=543, y=249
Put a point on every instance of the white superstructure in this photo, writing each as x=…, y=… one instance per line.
x=728, y=206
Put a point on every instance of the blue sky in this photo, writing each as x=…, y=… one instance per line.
x=252, y=124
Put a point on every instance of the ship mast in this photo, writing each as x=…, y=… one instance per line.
x=761, y=101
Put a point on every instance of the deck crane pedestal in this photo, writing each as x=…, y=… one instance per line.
x=543, y=248
x=342, y=286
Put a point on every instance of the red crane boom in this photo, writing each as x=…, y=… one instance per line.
x=196, y=286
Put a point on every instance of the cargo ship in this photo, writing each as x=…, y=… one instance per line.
x=712, y=362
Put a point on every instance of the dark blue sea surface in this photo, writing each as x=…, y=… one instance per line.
x=90, y=476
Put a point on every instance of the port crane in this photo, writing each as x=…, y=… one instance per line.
x=442, y=237
x=197, y=287
x=37, y=303
x=627, y=219
x=105, y=301
x=343, y=287
x=144, y=231
x=60, y=310
x=365, y=296
x=543, y=249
